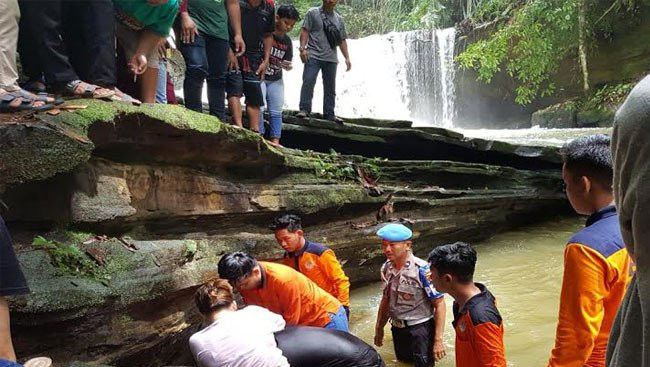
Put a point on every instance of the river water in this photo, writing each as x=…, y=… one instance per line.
x=523, y=269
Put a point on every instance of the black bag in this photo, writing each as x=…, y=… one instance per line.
x=332, y=33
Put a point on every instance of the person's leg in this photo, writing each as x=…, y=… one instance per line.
x=29, y=60
x=329, y=89
x=99, y=42
x=44, y=19
x=265, y=98
x=196, y=71
x=161, y=85
x=6, y=346
x=148, y=85
x=217, y=55
x=235, y=90
x=422, y=343
x=339, y=321
x=254, y=98
x=275, y=103
x=309, y=75
x=402, y=344
x=9, y=16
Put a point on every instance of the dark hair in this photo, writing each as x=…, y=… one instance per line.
x=288, y=12
x=590, y=156
x=236, y=265
x=214, y=296
x=290, y=222
x=457, y=259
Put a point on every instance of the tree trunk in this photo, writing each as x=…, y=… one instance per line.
x=582, y=51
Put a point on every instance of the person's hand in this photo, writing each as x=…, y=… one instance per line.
x=439, y=351
x=233, y=63
x=261, y=70
x=240, y=46
x=348, y=64
x=379, y=337
x=304, y=55
x=188, y=28
x=157, y=2
x=162, y=49
x=138, y=63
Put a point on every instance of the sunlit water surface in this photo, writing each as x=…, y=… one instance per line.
x=523, y=269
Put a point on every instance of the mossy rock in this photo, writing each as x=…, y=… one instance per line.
x=560, y=116
x=600, y=117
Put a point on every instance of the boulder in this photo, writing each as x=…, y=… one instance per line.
x=560, y=116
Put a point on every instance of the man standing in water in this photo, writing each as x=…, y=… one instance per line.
x=416, y=310
x=322, y=32
x=596, y=263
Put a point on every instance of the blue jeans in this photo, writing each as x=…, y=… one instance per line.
x=161, y=87
x=6, y=363
x=205, y=58
x=338, y=321
x=309, y=75
x=273, y=92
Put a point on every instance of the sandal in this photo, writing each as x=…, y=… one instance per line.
x=42, y=97
x=35, y=86
x=39, y=362
x=120, y=96
x=81, y=89
x=21, y=100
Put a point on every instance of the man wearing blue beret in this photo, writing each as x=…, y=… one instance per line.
x=415, y=309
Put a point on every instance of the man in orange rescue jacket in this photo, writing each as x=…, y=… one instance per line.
x=282, y=290
x=596, y=263
x=316, y=261
x=477, y=321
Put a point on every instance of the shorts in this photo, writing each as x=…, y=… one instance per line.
x=247, y=84
x=128, y=39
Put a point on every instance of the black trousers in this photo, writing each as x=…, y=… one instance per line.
x=414, y=344
x=71, y=39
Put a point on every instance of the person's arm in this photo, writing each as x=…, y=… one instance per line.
x=581, y=306
x=344, y=51
x=382, y=319
x=335, y=275
x=268, y=43
x=188, y=27
x=148, y=42
x=439, y=319
x=291, y=310
x=6, y=347
x=234, y=16
x=304, y=37
x=488, y=339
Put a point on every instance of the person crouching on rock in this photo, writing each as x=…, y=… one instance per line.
x=242, y=338
x=282, y=290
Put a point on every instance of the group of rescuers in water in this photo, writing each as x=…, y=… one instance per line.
x=297, y=312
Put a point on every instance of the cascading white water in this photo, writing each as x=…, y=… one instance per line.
x=401, y=75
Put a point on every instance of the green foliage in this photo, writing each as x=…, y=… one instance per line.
x=608, y=96
x=70, y=260
x=335, y=168
x=530, y=44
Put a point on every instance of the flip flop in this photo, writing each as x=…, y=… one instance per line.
x=81, y=89
x=9, y=104
x=38, y=362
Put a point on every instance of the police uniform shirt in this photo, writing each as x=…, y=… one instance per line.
x=408, y=290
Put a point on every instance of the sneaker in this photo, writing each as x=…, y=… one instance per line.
x=302, y=114
x=38, y=362
x=336, y=119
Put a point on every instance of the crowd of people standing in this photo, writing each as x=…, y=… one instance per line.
x=239, y=48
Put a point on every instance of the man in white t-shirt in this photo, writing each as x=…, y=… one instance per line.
x=235, y=338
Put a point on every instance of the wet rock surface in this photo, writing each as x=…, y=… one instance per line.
x=138, y=217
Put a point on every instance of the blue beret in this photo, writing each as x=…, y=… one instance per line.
x=395, y=232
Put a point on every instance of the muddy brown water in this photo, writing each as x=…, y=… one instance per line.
x=523, y=269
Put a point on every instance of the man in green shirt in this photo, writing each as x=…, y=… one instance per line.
x=202, y=29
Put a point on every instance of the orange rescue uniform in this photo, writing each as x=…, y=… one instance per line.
x=479, y=332
x=318, y=263
x=597, y=270
x=290, y=294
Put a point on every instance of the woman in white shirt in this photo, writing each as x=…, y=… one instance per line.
x=234, y=338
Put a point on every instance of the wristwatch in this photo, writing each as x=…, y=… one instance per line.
x=301, y=48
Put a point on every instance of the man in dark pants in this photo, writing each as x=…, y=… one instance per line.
x=45, y=20
x=318, y=54
x=202, y=28
x=416, y=310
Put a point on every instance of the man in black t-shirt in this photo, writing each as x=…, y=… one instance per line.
x=247, y=71
x=281, y=57
x=12, y=282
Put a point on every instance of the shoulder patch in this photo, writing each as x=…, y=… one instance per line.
x=315, y=248
x=485, y=311
x=604, y=236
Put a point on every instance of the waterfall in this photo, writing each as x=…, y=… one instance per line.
x=400, y=75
